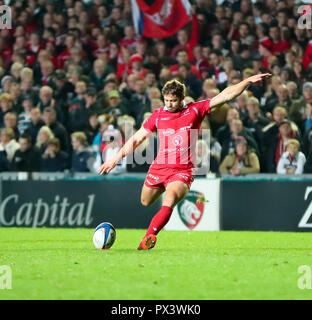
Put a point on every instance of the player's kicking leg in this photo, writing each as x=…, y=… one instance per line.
x=175, y=192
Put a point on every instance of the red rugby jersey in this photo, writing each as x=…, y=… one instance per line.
x=177, y=133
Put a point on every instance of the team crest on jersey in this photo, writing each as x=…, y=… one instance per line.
x=177, y=140
x=191, y=210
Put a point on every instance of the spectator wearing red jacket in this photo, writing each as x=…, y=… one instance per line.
x=182, y=58
x=275, y=44
x=307, y=57
x=65, y=55
x=101, y=46
x=186, y=42
x=130, y=40
x=136, y=66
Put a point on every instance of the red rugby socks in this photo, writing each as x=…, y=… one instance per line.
x=159, y=220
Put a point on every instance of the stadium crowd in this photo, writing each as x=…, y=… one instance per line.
x=75, y=76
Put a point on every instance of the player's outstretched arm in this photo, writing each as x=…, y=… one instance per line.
x=128, y=148
x=232, y=92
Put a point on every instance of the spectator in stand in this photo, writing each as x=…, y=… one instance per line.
x=35, y=124
x=241, y=105
x=6, y=105
x=193, y=85
x=99, y=73
x=53, y=159
x=293, y=90
x=47, y=70
x=255, y=90
x=93, y=127
x=4, y=165
x=98, y=144
x=154, y=93
x=16, y=93
x=241, y=161
x=282, y=99
x=24, y=118
x=77, y=57
x=275, y=44
x=82, y=156
x=299, y=73
x=34, y=45
x=139, y=102
x=234, y=54
x=10, y=121
x=8, y=143
x=43, y=56
x=156, y=104
x=186, y=42
x=200, y=62
x=70, y=42
x=270, y=96
x=76, y=108
x=205, y=161
x=47, y=101
x=150, y=79
x=27, y=84
x=245, y=35
x=27, y=157
x=277, y=145
x=292, y=161
x=92, y=105
x=224, y=132
x=218, y=42
x=15, y=71
x=216, y=70
x=255, y=121
x=136, y=66
x=299, y=111
x=64, y=90
x=130, y=39
x=101, y=46
x=115, y=106
x=207, y=86
x=44, y=136
x=245, y=57
x=182, y=58
x=6, y=84
x=237, y=129
x=112, y=138
x=59, y=131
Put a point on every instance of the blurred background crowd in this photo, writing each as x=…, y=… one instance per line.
x=75, y=76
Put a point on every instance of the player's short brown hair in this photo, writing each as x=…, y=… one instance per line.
x=174, y=87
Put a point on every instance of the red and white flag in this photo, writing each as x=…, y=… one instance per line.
x=161, y=19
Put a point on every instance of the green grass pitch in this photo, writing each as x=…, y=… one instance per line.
x=63, y=264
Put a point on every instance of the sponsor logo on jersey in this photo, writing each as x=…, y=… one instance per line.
x=168, y=132
x=186, y=127
x=190, y=209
